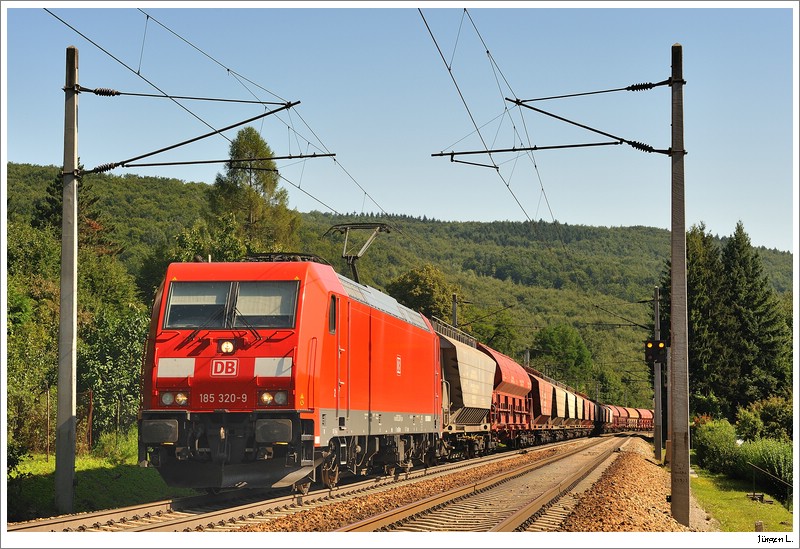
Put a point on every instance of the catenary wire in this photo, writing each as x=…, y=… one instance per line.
x=112, y=56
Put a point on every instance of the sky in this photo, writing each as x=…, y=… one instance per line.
x=386, y=87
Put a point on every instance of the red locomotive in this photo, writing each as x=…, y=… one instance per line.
x=281, y=372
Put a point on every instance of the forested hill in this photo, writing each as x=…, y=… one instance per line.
x=517, y=284
x=144, y=214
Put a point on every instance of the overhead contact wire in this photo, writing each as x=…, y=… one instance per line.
x=240, y=78
x=112, y=56
x=471, y=117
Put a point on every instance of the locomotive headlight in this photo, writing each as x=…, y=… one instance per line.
x=181, y=399
x=167, y=398
x=279, y=398
x=226, y=347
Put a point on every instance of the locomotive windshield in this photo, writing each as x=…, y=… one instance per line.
x=231, y=304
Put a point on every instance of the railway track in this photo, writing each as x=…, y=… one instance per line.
x=235, y=509
x=523, y=499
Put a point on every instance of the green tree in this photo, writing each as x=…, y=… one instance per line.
x=200, y=242
x=424, y=290
x=104, y=287
x=94, y=229
x=32, y=332
x=776, y=416
x=738, y=336
x=559, y=351
x=495, y=329
x=754, y=330
x=748, y=424
x=249, y=190
x=708, y=364
x=109, y=363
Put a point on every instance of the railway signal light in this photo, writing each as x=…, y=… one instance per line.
x=655, y=350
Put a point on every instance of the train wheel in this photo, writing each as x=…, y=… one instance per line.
x=430, y=459
x=330, y=473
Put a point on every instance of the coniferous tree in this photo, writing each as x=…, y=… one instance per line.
x=94, y=228
x=738, y=336
x=249, y=191
x=754, y=330
x=708, y=367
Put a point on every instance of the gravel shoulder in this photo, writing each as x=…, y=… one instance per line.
x=631, y=496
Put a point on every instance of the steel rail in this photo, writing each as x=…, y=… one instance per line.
x=382, y=520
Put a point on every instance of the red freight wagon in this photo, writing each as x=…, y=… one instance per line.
x=541, y=400
x=646, y=419
x=633, y=418
x=620, y=420
x=511, y=406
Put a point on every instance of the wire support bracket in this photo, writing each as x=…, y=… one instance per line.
x=126, y=163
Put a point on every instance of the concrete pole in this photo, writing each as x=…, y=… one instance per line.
x=679, y=355
x=657, y=442
x=68, y=314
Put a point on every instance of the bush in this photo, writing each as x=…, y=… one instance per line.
x=15, y=454
x=748, y=424
x=768, y=418
x=119, y=448
x=773, y=456
x=714, y=444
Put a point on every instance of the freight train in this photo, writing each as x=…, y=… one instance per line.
x=279, y=372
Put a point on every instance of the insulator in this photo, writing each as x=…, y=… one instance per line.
x=105, y=91
x=640, y=146
x=640, y=87
x=105, y=167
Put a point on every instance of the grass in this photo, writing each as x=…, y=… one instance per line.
x=108, y=478
x=726, y=500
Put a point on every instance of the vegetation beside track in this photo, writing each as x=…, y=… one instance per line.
x=726, y=500
x=107, y=478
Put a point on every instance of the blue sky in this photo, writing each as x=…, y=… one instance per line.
x=375, y=91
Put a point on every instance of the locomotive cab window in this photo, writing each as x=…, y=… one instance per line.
x=194, y=304
x=332, y=315
x=221, y=305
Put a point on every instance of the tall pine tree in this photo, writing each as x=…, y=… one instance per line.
x=754, y=329
x=739, y=343
x=249, y=191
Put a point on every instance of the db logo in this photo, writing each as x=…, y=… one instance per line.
x=224, y=366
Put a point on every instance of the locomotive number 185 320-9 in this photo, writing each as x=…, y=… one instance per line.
x=223, y=398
